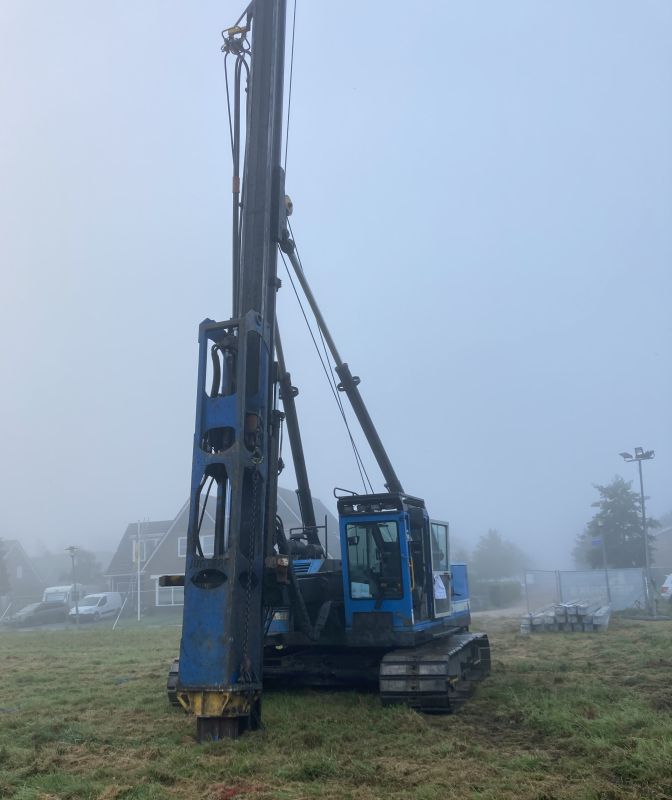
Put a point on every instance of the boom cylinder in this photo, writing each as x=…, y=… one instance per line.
x=287, y=395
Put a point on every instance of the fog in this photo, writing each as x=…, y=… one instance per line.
x=482, y=201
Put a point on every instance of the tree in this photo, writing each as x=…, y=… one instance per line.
x=495, y=557
x=618, y=521
x=4, y=576
x=87, y=568
x=666, y=520
x=459, y=553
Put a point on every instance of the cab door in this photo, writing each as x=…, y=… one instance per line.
x=441, y=576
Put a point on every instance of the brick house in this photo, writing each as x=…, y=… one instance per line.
x=163, y=547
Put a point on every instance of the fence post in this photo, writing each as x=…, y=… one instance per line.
x=527, y=594
x=9, y=605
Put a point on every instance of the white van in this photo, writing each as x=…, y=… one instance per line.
x=63, y=594
x=666, y=588
x=95, y=607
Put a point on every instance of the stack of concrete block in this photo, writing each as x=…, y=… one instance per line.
x=575, y=617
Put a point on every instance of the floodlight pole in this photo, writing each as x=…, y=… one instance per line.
x=644, y=455
x=647, y=557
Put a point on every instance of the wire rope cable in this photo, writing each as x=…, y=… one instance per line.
x=327, y=371
x=332, y=380
x=289, y=94
x=228, y=103
x=234, y=135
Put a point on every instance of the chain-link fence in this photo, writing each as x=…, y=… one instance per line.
x=542, y=588
x=620, y=588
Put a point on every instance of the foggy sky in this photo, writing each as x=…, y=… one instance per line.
x=482, y=198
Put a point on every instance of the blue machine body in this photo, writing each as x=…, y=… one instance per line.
x=395, y=573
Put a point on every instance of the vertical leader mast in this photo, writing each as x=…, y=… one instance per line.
x=220, y=669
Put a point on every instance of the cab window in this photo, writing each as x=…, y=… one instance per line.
x=374, y=560
x=440, y=547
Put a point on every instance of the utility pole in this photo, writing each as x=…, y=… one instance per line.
x=644, y=455
x=138, y=554
x=72, y=550
x=138, y=551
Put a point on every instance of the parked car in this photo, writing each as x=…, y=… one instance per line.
x=39, y=614
x=666, y=588
x=95, y=607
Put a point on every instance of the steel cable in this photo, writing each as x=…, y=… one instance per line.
x=334, y=391
x=289, y=94
x=330, y=373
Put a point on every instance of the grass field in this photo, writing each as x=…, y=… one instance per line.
x=83, y=715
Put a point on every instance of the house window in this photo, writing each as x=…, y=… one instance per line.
x=169, y=595
x=207, y=542
x=146, y=547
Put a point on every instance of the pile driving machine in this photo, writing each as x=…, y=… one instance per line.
x=263, y=606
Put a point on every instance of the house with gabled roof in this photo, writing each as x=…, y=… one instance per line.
x=162, y=547
x=123, y=568
x=25, y=582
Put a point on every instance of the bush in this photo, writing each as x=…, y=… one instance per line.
x=496, y=594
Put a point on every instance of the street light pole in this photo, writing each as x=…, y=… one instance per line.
x=72, y=550
x=644, y=455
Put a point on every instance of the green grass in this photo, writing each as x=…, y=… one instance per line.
x=83, y=715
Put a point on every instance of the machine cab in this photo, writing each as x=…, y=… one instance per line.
x=396, y=565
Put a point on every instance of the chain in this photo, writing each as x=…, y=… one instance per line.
x=246, y=671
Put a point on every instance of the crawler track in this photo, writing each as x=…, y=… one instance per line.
x=437, y=677
x=171, y=684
